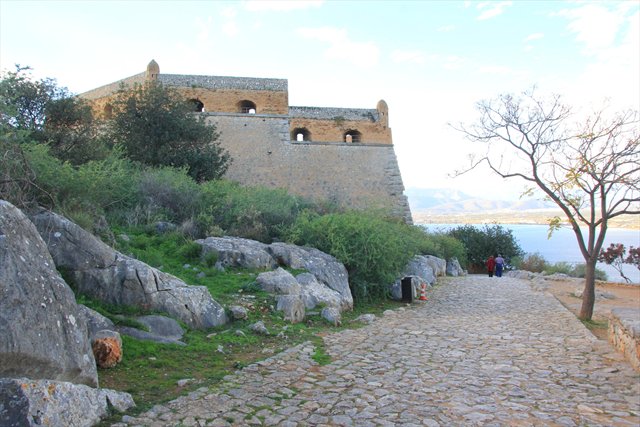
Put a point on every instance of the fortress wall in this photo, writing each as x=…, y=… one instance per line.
x=334, y=130
x=226, y=100
x=352, y=175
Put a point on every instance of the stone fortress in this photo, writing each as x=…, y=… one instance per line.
x=344, y=155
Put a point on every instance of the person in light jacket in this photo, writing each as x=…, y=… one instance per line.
x=499, y=265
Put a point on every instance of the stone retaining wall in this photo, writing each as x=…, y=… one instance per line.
x=624, y=334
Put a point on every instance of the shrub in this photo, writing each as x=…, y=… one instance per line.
x=531, y=262
x=577, y=270
x=373, y=248
x=485, y=241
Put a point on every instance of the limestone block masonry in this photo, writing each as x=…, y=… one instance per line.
x=343, y=155
x=624, y=334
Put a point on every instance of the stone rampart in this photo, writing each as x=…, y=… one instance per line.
x=624, y=334
x=349, y=174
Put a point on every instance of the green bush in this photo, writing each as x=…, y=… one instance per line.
x=373, y=248
x=571, y=270
x=480, y=243
x=531, y=262
x=252, y=212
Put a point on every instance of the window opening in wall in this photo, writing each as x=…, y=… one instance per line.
x=300, y=135
x=247, y=107
x=196, y=105
x=352, y=136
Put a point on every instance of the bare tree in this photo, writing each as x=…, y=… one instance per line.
x=590, y=171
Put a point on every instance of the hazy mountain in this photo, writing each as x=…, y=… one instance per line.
x=448, y=201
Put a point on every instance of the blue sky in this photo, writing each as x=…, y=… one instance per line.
x=431, y=61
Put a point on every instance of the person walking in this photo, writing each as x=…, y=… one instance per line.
x=491, y=265
x=499, y=265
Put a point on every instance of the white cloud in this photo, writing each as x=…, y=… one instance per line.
x=280, y=5
x=446, y=28
x=230, y=26
x=204, y=27
x=363, y=54
x=495, y=69
x=408, y=56
x=534, y=36
x=595, y=25
x=453, y=62
x=491, y=9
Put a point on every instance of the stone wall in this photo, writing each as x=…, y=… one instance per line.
x=354, y=175
x=624, y=334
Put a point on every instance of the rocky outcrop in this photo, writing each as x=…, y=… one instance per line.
x=238, y=252
x=454, y=268
x=42, y=333
x=326, y=281
x=109, y=276
x=25, y=402
x=422, y=267
x=438, y=265
x=327, y=270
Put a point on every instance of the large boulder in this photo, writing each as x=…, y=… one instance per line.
x=109, y=276
x=327, y=270
x=438, y=265
x=314, y=293
x=279, y=282
x=25, y=402
x=422, y=267
x=454, y=268
x=238, y=252
x=42, y=334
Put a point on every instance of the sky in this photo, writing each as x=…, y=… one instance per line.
x=431, y=61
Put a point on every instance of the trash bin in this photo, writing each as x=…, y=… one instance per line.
x=407, y=289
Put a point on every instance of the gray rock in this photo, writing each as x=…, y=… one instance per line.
x=95, y=321
x=238, y=252
x=454, y=268
x=259, y=328
x=279, y=282
x=438, y=265
x=366, y=318
x=421, y=267
x=292, y=306
x=238, y=312
x=111, y=277
x=163, y=326
x=331, y=315
x=27, y=402
x=42, y=333
x=147, y=336
x=520, y=274
x=327, y=270
x=315, y=293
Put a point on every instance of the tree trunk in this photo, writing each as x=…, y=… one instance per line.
x=589, y=293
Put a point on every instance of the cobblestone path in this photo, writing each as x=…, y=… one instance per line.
x=480, y=352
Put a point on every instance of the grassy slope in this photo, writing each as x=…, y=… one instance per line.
x=150, y=371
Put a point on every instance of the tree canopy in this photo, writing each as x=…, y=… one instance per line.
x=156, y=127
x=590, y=170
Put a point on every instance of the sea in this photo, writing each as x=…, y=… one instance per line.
x=563, y=246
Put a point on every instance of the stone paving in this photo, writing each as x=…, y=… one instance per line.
x=480, y=352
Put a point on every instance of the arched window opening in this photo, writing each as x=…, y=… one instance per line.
x=108, y=111
x=352, y=135
x=300, y=135
x=247, y=107
x=196, y=105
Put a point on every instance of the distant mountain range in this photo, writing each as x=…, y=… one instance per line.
x=447, y=201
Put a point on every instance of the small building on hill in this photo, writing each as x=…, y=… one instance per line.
x=343, y=155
